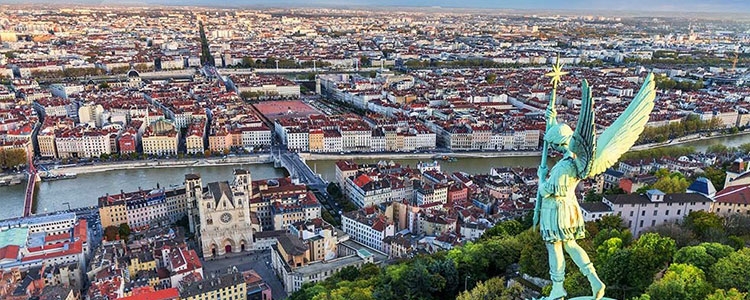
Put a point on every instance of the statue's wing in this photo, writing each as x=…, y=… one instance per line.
x=583, y=140
x=623, y=133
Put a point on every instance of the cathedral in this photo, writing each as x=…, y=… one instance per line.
x=224, y=221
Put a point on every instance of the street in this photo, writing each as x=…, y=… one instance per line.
x=258, y=261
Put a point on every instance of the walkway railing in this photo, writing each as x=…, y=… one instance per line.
x=30, y=184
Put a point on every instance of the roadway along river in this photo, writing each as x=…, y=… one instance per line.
x=84, y=190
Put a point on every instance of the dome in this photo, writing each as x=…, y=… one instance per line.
x=702, y=186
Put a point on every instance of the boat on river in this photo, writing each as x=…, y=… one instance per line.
x=53, y=177
x=445, y=158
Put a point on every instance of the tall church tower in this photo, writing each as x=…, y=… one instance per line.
x=243, y=181
x=194, y=190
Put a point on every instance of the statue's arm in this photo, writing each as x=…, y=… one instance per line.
x=551, y=116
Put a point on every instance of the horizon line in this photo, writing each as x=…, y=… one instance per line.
x=355, y=6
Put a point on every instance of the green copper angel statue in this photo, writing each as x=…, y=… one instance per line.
x=557, y=211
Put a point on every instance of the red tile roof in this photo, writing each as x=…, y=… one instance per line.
x=739, y=194
x=9, y=252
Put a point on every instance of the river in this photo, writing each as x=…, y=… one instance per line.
x=87, y=188
x=84, y=190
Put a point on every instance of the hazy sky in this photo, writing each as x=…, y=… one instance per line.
x=736, y=6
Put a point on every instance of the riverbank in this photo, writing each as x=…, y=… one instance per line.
x=690, y=139
x=160, y=164
x=12, y=179
x=267, y=158
x=424, y=156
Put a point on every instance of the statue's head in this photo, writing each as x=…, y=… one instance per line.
x=559, y=136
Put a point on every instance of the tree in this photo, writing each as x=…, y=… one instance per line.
x=628, y=272
x=124, y=231
x=717, y=148
x=716, y=250
x=608, y=248
x=104, y=85
x=12, y=158
x=681, y=281
x=745, y=148
x=654, y=153
x=447, y=270
x=491, y=78
x=328, y=217
x=657, y=250
x=206, y=57
x=364, y=61
x=410, y=281
x=533, y=260
x=671, y=184
x=681, y=235
x=610, y=222
x=504, y=229
x=605, y=234
x=349, y=273
x=732, y=271
x=716, y=176
x=701, y=223
x=575, y=284
x=623, y=276
x=696, y=256
x=732, y=294
x=183, y=222
x=737, y=224
x=492, y=289
x=592, y=196
x=661, y=173
x=111, y=232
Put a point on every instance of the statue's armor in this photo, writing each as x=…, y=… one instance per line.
x=560, y=216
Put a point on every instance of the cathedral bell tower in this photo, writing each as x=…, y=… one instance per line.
x=194, y=191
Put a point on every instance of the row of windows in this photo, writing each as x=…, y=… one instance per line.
x=731, y=204
x=656, y=212
x=729, y=211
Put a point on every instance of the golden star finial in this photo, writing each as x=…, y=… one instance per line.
x=556, y=73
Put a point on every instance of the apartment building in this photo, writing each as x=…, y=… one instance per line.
x=196, y=134
x=223, y=286
x=431, y=194
x=365, y=190
x=368, y=226
x=641, y=211
x=256, y=136
x=81, y=141
x=160, y=138
x=294, y=209
x=732, y=200
x=143, y=208
x=292, y=261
